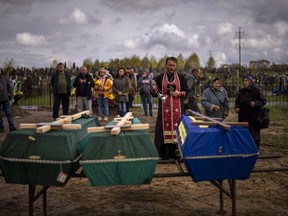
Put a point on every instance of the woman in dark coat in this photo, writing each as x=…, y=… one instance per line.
x=248, y=103
x=121, y=86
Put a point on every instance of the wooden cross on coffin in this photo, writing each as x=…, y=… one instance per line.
x=122, y=124
x=205, y=120
x=62, y=123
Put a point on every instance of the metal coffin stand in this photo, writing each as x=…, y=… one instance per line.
x=214, y=151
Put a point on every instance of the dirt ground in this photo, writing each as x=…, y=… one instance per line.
x=261, y=194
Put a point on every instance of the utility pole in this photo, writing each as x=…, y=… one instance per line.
x=210, y=53
x=240, y=37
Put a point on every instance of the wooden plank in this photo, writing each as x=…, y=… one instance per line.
x=36, y=125
x=126, y=124
x=77, y=115
x=116, y=130
x=64, y=123
x=120, y=118
x=131, y=128
x=66, y=120
x=205, y=119
x=218, y=123
x=27, y=125
x=45, y=128
x=71, y=126
x=243, y=124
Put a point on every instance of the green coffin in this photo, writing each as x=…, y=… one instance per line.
x=102, y=169
x=56, y=152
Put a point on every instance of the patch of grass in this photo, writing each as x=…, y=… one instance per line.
x=275, y=136
x=277, y=143
x=278, y=113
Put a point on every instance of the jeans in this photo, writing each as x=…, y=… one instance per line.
x=81, y=101
x=7, y=110
x=130, y=101
x=147, y=99
x=122, y=109
x=102, y=103
x=65, y=104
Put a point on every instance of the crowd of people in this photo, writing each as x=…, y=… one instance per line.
x=175, y=91
x=177, y=94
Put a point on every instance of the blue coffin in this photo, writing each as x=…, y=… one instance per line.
x=212, y=153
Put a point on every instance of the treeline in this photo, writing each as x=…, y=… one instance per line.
x=184, y=65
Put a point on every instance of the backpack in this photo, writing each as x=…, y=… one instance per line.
x=263, y=119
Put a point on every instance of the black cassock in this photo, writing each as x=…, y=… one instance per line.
x=166, y=149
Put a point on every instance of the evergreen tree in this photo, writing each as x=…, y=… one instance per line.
x=193, y=61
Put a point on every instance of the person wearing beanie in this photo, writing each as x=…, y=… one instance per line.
x=248, y=104
x=215, y=100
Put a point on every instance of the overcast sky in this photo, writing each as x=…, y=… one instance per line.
x=34, y=32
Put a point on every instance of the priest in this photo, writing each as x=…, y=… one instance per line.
x=170, y=87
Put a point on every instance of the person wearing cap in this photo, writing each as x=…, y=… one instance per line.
x=248, y=104
x=102, y=89
x=215, y=100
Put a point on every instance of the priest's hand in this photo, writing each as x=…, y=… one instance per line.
x=175, y=93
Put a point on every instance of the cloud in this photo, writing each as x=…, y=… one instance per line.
x=104, y=29
x=262, y=43
x=281, y=28
x=132, y=43
x=77, y=17
x=225, y=28
x=194, y=41
x=172, y=30
x=28, y=39
x=220, y=58
x=167, y=35
x=265, y=11
x=138, y=6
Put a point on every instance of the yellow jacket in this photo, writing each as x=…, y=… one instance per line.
x=106, y=88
